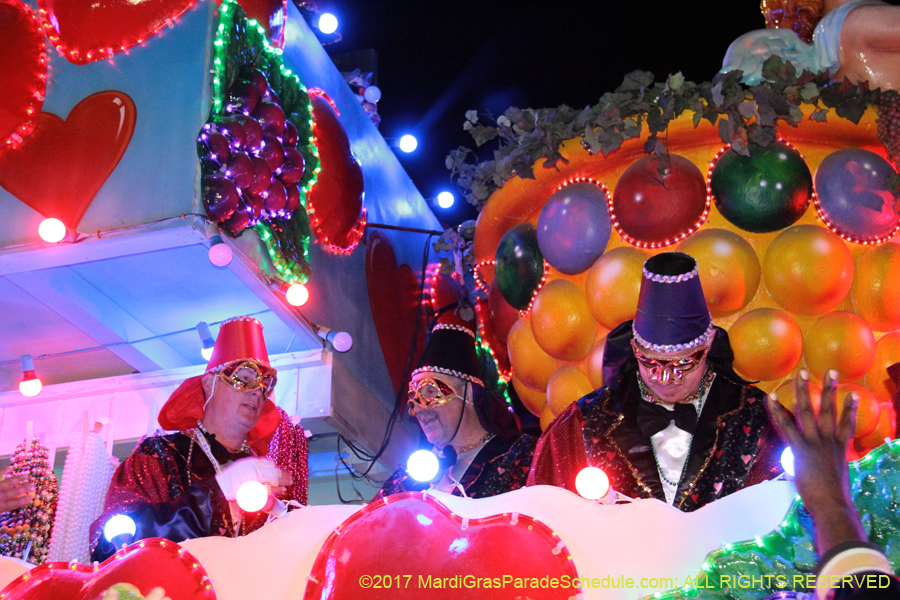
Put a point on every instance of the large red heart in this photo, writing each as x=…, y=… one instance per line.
x=84, y=32
x=393, y=296
x=59, y=168
x=335, y=202
x=400, y=547
x=147, y=564
x=23, y=64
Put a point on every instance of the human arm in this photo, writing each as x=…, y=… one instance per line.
x=819, y=444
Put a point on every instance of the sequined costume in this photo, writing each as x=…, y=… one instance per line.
x=733, y=446
x=168, y=487
x=501, y=466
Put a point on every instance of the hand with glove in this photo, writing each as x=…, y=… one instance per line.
x=251, y=468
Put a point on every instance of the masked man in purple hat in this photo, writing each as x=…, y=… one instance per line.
x=480, y=448
x=675, y=422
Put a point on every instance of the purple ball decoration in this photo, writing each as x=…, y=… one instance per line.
x=220, y=196
x=574, y=227
x=852, y=196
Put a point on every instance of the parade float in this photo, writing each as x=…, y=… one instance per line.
x=784, y=191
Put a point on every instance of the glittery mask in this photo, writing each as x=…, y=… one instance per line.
x=249, y=375
x=669, y=370
x=429, y=393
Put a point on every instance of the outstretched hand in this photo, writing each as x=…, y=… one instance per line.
x=819, y=444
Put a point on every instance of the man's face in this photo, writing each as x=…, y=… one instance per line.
x=241, y=407
x=439, y=422
x=672, y=376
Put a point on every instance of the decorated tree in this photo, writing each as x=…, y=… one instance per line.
x=25, y=532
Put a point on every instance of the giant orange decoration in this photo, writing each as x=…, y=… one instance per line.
x=728, y=266
x=767, y=344
x=561, y=321
x=840, y=341
x=876, y=287
x=613, y=284
x=887, y=353
x=530, y=363
x=808, y=270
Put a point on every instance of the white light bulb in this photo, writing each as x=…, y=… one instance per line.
x=592, y=483
x=30, y=387
x=207, y=353
x=787, y=461
x=220, y=253
x=252, y=496
x=118, y=525
x=297, y=294
x=372, y=94
x=408, y=143
x=328, y=23
x=341, y=340
x=445, y=199
x=52, y=230
x=422, y=465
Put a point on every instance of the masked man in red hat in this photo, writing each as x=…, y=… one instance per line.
x=675, y=422
x=184, y=485
x=480, y=448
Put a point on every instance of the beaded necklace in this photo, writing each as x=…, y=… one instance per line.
x=699, y=394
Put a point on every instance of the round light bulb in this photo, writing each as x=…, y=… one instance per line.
x=422, y=465
x=341, y=341
x=787, y=461
x=118, y=525
x=220, y=254
x=252, y=496
x=445, y=199
x=372, y=94
x=328, y=23
x=52, y=230
x=207, y=353
x=30, y=387
x=408, y=143
x=592, y=483
x=297, y=294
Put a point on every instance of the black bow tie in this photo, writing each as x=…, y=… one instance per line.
x=653, y=418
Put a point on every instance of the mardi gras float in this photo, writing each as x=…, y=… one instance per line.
x=782, y=189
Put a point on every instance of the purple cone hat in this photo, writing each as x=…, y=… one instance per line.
x=672, y=315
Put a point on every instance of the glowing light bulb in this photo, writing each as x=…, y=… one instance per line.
x=592, y=483
x=787, y=461
x=408, y=143
x=445, y=199
x=340, y=340
x=207, y=343
x=220, y=253
x=118, y=525
x=296, y=294
x=328, y=23
x=30, y=384
x=252, y=496
x=52, y=230
x=372, y=94
x=422, y=465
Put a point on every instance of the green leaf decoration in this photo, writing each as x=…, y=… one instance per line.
x=744, y=115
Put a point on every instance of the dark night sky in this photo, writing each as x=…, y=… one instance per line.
x=438, y=59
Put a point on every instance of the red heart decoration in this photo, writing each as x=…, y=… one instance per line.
x=393, y=296
x=85, y=32
x=494, y=342
x=61, y=166
x=147, y=564
x=23, y=64
x=335, y=202
x=427, y=541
